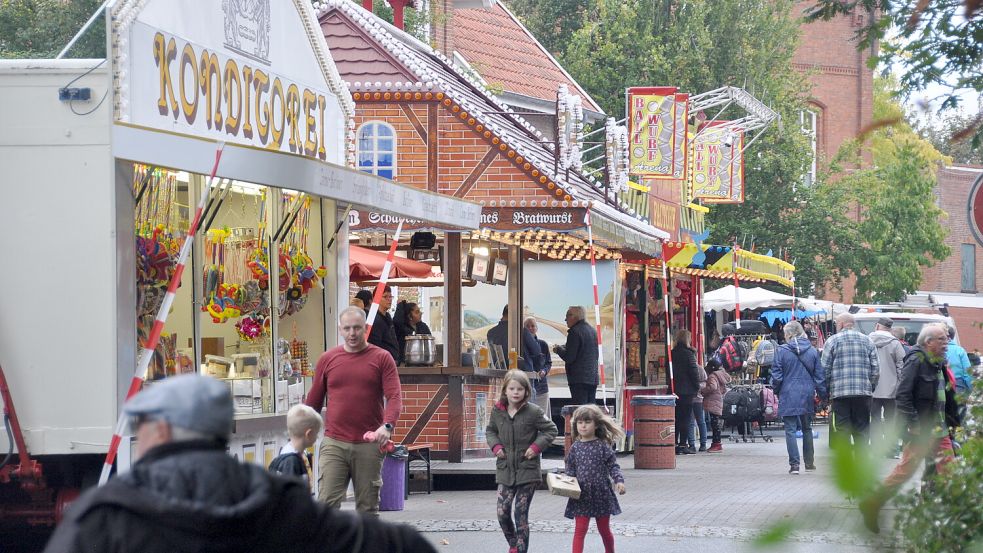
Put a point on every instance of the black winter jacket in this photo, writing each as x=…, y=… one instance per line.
x=917, y=396
x=192, y=496
x=580, y=354
x=686, y=371
x=383, y=334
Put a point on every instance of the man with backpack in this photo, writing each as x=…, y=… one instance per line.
x=797, y=376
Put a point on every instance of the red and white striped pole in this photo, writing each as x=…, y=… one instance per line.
x=666, y=303
x=383, y=279
x=793, y=298
x=165, y=307
x=597, y=309
x=737, y=290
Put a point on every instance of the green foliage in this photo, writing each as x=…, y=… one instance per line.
x=885, y=142
x=41, y=28
x=938, y=47
x=414, y=22
x=945, y=516
x=941, y=134
x=899, y=225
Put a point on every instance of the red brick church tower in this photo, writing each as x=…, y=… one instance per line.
x=842, y=97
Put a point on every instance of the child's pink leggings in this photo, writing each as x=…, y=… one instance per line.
x=603, y=528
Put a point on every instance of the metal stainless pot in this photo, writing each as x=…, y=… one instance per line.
x=420, y=350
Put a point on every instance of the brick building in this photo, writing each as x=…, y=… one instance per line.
x=958, y=279
x=421, y=121
x=841, y=101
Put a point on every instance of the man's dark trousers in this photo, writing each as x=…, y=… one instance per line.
x=583, y=394
x=851, y=418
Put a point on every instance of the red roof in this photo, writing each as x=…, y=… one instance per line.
x=504, y=52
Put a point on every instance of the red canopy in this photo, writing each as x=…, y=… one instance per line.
x=366, y=264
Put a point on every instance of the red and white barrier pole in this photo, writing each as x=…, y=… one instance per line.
x=165, y=307
x=383, y=279
x=597, y=309
x=737, y=290
x=666, y=303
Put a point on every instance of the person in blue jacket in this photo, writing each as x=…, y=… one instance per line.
x=797, y=376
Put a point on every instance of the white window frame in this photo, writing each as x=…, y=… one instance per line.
x=375, y=151
x=809, y=124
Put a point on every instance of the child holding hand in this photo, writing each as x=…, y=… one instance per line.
x=592, y=460
x=304, y=428
x=518, y=431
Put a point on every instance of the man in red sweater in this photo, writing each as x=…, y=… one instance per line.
x=363, y=393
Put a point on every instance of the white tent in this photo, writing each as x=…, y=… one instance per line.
x=757, y=298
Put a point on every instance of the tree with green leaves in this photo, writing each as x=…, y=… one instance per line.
x=943, y=135
x=936, y=45
x=41, y=28
x=699, y=46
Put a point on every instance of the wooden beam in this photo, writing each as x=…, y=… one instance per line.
x=433, y=143
x=452, y=299
x=476, y=173
x=415, y=121
x=455, y=419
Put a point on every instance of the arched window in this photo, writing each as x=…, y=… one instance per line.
x=377, y=149
x=810, y=120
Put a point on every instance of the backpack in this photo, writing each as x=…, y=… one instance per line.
x=764, y=354
x=741, y=404
x=288, y=464
x=730, y=355
x=769, y=401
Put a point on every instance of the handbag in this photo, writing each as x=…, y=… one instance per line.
x=563, y=485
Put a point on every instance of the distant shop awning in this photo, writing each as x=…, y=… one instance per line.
x=719, y=262
x=365, y=264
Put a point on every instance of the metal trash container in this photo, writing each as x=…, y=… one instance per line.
x=393, y=492
x=655, y=431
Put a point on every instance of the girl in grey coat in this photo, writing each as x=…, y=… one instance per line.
x=518, y=432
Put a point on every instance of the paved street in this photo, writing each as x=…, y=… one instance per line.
x=708, y=503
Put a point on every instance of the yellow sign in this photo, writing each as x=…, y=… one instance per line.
x=652, y=131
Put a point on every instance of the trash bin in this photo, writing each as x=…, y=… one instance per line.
x=655, y=431
x=393, y=492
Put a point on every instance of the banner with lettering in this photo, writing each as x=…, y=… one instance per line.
x=718, y=165
x=680, y=146
x=652, y=120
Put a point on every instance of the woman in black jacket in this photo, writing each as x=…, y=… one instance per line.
x=685, y=385
x=407, y=322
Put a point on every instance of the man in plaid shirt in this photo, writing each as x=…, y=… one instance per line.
x=850, y=363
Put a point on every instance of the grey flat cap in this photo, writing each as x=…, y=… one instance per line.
x=190, y=401
x=885, y=322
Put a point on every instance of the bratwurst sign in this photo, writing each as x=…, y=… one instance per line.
x=245, y=71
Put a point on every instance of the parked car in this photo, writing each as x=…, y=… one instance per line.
x=912, y=322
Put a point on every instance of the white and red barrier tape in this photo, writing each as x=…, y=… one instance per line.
x=383, y=279
x=148, y=350
x=597, y=308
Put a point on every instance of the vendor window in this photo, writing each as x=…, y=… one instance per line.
x=377, y=149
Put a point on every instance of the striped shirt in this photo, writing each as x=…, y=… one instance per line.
x=850, y=363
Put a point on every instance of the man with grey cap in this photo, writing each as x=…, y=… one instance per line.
x=890, y=357
x=184, y=493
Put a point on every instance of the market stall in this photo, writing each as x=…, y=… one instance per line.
x=254, y=167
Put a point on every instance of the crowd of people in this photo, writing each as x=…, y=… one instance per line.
x=185, y=493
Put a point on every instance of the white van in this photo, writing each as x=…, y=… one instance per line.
x=912, y=322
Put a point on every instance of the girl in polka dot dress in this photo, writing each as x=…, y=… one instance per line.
x=593, y=462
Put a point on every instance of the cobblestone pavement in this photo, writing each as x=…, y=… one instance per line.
x=730, y=496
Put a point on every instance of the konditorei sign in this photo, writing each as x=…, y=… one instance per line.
x=252, y=72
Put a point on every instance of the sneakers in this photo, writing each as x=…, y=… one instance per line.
x=703, y=448
x=794, y=469
x=810, y=467
x=715, y=448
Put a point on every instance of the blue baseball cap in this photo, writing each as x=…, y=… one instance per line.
x=190, y=401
